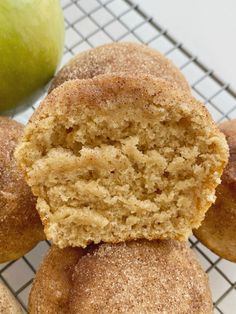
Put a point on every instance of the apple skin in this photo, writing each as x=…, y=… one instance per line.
x=31, y=46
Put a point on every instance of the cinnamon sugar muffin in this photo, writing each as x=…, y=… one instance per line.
x=218, y=230
x=8, y=304
x=120, y=57
x=135, y=277
x=117, y=158
x=20, y=225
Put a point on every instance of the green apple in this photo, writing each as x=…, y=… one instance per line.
x=31, y=46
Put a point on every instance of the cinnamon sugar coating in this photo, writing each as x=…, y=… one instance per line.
x=131, y=278
x=120, y=57
x=20, y=225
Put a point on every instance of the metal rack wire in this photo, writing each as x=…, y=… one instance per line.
x=93, y=22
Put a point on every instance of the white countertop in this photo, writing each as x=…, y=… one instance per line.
x=207, y=29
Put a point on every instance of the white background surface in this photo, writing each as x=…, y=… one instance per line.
x=206, y=27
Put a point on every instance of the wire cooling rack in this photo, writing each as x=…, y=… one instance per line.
x=93, y=22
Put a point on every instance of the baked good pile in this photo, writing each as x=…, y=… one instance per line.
x=123, y=163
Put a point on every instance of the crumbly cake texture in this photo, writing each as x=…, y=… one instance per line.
x=8, y=304
x=218, y=230
x=117, y=158
x=120, y=57
x=20, y=226
x=134, y=277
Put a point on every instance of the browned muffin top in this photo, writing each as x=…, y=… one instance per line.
x=120, y=57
